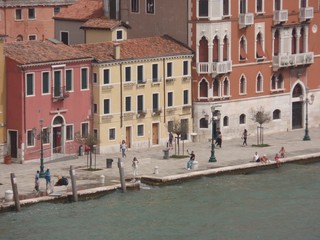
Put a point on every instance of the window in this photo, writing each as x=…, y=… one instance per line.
x=84, y=129
x=169, y=69
x=226, y=121
x=203, y=123
x=259, y=46
x=69, y=132
x=45, y=83
x=150, y=6
x=19, y=38
x=84, y=78
x=140, y=130
x=277, y=5
x=243, y=48
x=95, y=133
x=259, y=81
x=95, y=108
x=155, y=77
x=64, y=37
x=276, y=43
x=56, y=10
x=30, y=138
x=259, y=6
x=140, y=74
x=185, y=97
x=155, y=102
x=57, y=83
x=203, y=88
x=95, y=78
x=243, y=6
x=128, y=104
x=106, y=106
x=170, y=99
x=277, y=82
x=128, y=74
x=226, y=8
x=46, y=135
x=216, y=88
x=226, y=87
x=140, y=104
x=119, y=35
x=203, y=8
x=303, y=3
x=31, y=13
x=30, y=84
x=112, y=134
x=243, y=85
x=69, y=85
x=18, y=14
x=106, y=76
x=215, y=49
x=242, y=119
x=276, y=114
x=135, y=6
x=185, y=68
x=32, y=37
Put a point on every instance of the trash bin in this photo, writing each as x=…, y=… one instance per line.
x=166, y=153
x=109, y=162
x=80, y=150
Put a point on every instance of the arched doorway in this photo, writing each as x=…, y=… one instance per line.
x=297, y=107
x=57, y=133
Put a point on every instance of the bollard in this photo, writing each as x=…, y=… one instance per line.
x=102, y=179
x=15, y=192
x=156, y=170
x=8, y=197
x=74, y=185
x=121, y=172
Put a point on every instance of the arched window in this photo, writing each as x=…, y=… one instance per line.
x=226, y=87
x=276, y=42
x=242, y=85
x=242, y=119
x=259, y=86
x=215, y=50
x=58, y=120
x=203, y=50
x=273, y=82
x=19, y=38
x=226, y=121
x=294, y=42
x=216, y=88
x=297, y=91
x=203, y=123
x=225, y=49
x=301, y=42
x=276, y=114
x=277, y=82
x=259, y=46
x=203, y=88
x=280, y=82
x=243, y=48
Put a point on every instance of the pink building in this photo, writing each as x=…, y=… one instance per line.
x=48, y=88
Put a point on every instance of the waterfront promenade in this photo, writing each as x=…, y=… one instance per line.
x=232, y=153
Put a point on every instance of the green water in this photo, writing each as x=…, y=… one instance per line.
x=273, y=204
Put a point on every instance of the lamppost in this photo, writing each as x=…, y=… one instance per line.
x=41, y=150
x=308, y=102
x=215, y=117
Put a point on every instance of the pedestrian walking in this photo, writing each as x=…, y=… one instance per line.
x=219, y=139
x=282, y=152
x=191, y=159
x=37, y=181
x=244, y=137
x=47, y=176
x=170, y=140
x=123, y=148
x=135, y=166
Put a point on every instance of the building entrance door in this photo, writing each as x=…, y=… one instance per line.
x=297, y=115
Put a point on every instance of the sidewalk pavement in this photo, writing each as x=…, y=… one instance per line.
x=232, y=153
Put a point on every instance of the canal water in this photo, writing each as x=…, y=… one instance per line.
x=273, y=204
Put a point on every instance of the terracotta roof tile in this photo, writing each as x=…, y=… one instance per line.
x=33, y=52
x=82, y=10
x=158, y=46
x=103, y=23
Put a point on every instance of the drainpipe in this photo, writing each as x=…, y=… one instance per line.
x=164, y=91
x=121, y=100
x=24, y=114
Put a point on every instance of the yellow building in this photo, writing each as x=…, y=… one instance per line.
x=140, y=88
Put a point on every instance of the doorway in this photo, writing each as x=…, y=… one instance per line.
x=56, y=139
x=13, y=147
x=155, y=133
x=297, y=115
x=128, y=137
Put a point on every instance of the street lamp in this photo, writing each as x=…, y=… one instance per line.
x=307, y=101
x=41, y=150
x=215, y=117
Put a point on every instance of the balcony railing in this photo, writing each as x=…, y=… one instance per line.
x=280, y=16
x=215, y=68
x=59, y=93
x=306, y=14
x=292, y=60
x=246, y=19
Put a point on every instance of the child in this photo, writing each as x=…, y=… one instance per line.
x=36, y=181
x=135, y=163
x=276, y=158
x=282, y=152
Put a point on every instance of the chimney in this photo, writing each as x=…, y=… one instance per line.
x=116, y=50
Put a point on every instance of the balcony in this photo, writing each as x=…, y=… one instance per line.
x=246, y=20
x=280, y=16
x=156, y=112
x=292, y=60
x=305, y=14
x=59, y=94
x=215, y=68
x=141, y=113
